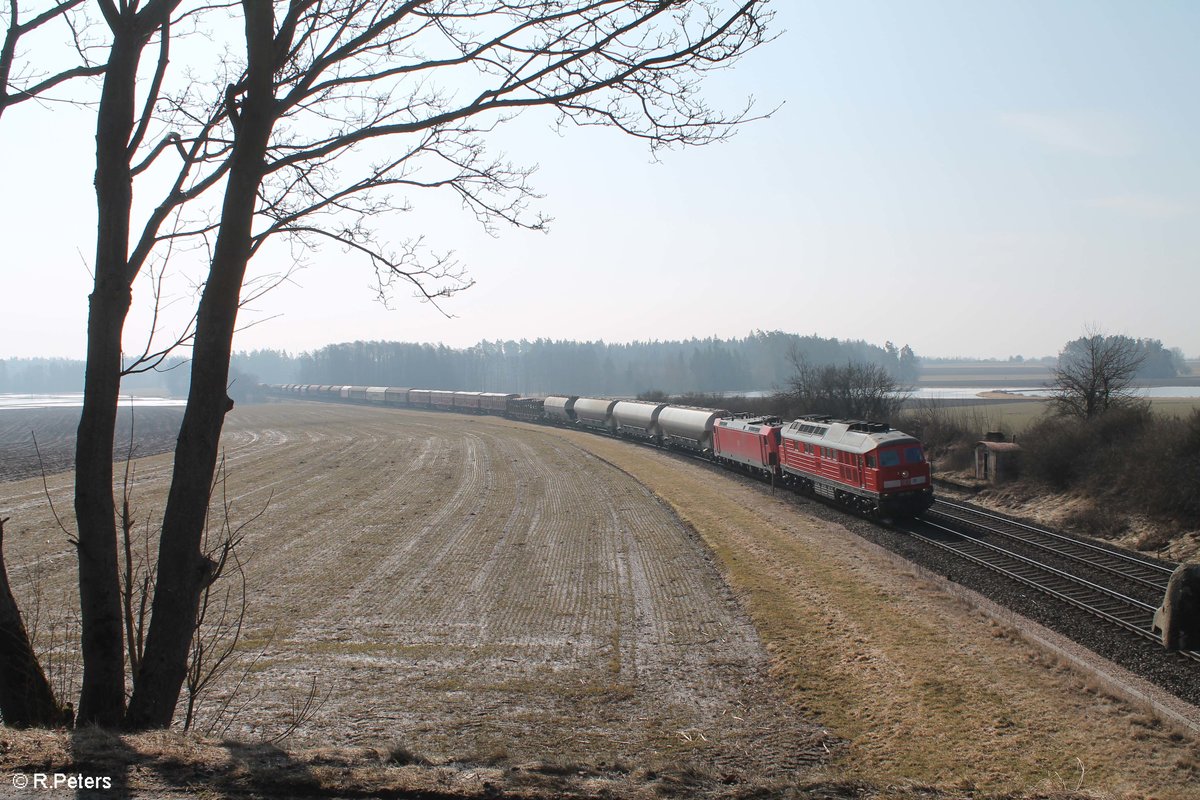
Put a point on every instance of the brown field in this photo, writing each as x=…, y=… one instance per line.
x=510, y=602
x=1015, y=416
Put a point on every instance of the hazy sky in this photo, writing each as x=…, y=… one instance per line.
x=970, y=178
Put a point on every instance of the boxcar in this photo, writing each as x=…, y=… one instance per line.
x=395, y=396
x=467, y=401
x=494, y=402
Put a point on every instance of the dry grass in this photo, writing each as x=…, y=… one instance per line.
x=922, y=688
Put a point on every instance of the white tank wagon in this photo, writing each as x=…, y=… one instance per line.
x=689, y=428
x=595, y=413
x=558, y=408
x=638, y=419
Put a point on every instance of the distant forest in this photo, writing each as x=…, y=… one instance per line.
x=758, y=362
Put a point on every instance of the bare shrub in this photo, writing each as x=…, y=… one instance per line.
x=1128, y=459
x=949, y=433
x=1098, y=521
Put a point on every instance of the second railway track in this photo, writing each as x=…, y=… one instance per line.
x=1090, y=577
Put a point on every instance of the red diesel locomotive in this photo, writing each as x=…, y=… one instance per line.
x=864, y=465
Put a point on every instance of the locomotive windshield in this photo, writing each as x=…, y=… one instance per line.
x=889, y=458
x=913, y=455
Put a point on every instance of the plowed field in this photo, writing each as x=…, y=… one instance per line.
x=472, y=589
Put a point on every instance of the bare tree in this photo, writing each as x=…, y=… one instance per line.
x=1095, y=373
x=339, y=107
x=328, y=78
x=857, y=390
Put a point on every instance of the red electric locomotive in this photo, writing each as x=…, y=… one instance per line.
x=864, y=465
x=748, y=443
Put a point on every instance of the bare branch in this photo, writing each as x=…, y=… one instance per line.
x=36, y=87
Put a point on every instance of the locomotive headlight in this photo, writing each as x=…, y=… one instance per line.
x=903, y=473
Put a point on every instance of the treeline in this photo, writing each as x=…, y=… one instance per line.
x=57, y=376
x=759, y=362
x=1156, y=360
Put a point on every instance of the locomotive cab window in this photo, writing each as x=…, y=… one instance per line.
x=889, y=458
x=912, y=455
x=871, y=461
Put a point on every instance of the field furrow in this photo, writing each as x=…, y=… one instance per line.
x=473, y=588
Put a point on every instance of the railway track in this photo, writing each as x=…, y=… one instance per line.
x=1127, y=566
x=986, y=540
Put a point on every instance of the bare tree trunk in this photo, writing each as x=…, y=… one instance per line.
x=183, y=569
x=102, y=700
x=26, y=698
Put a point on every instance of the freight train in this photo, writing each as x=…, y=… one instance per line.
x=865, y=466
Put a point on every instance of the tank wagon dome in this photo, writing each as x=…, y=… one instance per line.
x=560, y=407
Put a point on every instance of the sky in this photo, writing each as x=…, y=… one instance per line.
x=971, y=179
